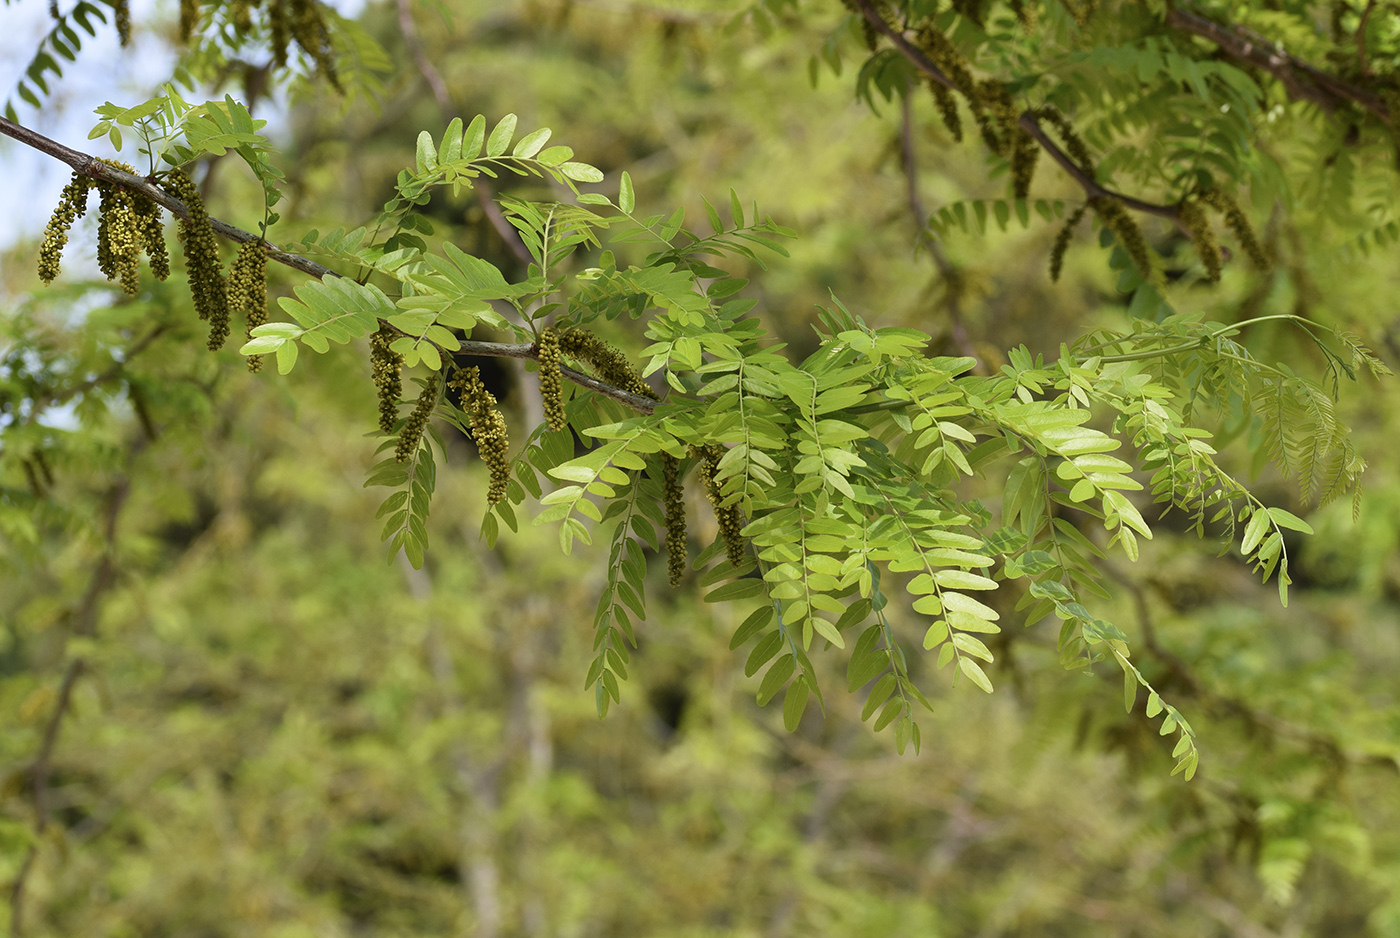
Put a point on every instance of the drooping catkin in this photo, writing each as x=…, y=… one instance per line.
x=607, y=361
x=1074, y=144
x=152, y=230
x=1238, y=223
x=386, y=365
x=1024, y=153
x=417, y=423
x=307, y=25
x=488, y=429
x=1116, y=218
x=1081, y=10
x=247, y=290
x=551, y=381
x=207, y=285
x=118, y=238
x=1057, y=253
x=72, y=205
x=121, y=13
x=1197, y=226
x=730, y=518
x=947, y=109
x=673, y=498
x=189, y=18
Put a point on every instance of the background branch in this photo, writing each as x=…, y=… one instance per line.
x=1302, y=81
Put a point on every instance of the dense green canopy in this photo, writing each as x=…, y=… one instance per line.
x=887, y=331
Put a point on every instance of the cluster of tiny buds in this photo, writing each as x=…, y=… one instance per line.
x=128, y=223
x=1024, y=153
x=674, y=502
x=947, y=109
x=551, y=381
x=1081, y=10
x=207, y=285
x=417, y=423
x=1193, y=219
x=1025, y=13
x=607, y=361
x=1238, y=223
x=1112, y=213
x=385, y=365
x=118, y=239
x=1057, y=253
x=1074, y=144
x=730, y=518
x=247, y=289
x=72, y=205
x=489, y=430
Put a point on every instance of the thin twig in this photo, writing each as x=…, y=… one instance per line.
x=84, y=624
x=1027, y=120
x=94, y=168
x=1232, y=705
x=1302, y=81
x=415, y=50
x=1361, y=38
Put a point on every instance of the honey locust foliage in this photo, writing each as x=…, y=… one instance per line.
x=838, y=483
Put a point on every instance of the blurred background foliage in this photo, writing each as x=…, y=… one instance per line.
x=270, y=732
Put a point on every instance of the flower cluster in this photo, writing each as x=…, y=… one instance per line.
x=551, y=381
x=72, y=205
x=385, y=364
x=1074, y=144
x=118, y=239
x=1057, y=253
x=489, y=430
x=674, y=501
x=417, y=423
x=1238, y=223
x=202, y=259
x=730, y=518
x=607, y=361
x=1112, y=213
x=1024, y=153
x=127, y=224
x=247, y=289
x=1193, y=219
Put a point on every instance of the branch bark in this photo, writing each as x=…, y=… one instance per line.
x=91, y=166
x=1303, y=82
x=1027, y=120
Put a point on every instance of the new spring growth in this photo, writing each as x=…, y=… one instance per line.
x=607, y=361
x=201, y=259
x=1116, y=218
x=488, y=429
x=386, y=367
x=1057, y=253
x=412, y=433
x=247, y=290
x=551, y=381
x=1193, y=219
x=674, y=499
x=128, y=224
x=730, y=518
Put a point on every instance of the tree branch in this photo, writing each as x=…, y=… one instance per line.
x=1303, y=81
x=1027, y=121
x=88, y=165
x=85, y=624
